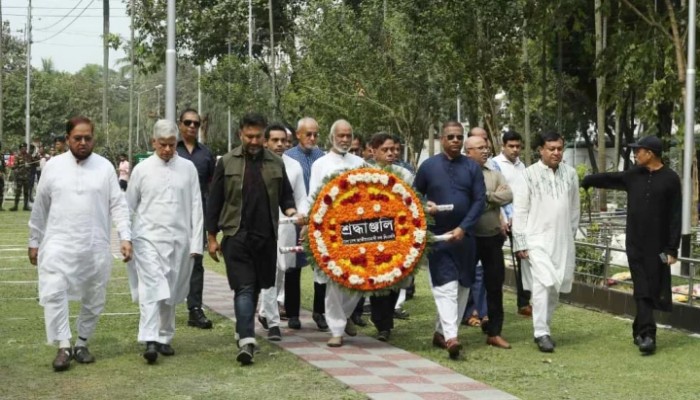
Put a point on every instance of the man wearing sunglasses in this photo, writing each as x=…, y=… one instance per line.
x=452, y=178
x=204, y=160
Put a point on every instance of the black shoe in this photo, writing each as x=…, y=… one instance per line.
x=274, y=334
x=383, y=336
x=198, y=319
x=545, y=344
x=245, y=354
x=82, y=355
x=27, y=208
x=400, y=313
x=637, y=340
x=647, y=345
x=151, y=353
x=358, y=320
x=165, y=349
x=294, y=323
x=13, y=208
x=62, y=360
x=320, y=321
x=263, y=322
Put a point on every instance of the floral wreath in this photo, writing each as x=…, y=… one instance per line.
x=367, y=229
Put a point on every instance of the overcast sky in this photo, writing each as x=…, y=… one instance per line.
x=69, y=32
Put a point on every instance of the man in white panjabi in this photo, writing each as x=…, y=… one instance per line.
x=339, y=303
x=545, y=220
x=167, y=218
x=69, y=239
x=269, y=316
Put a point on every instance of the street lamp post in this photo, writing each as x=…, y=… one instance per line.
x=138, y=108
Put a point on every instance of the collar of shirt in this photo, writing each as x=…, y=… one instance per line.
x=502, y=158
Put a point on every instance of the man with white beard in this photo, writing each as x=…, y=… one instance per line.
x=339, y=303
x=165, y=199
x=276, y=141
x=69, y=238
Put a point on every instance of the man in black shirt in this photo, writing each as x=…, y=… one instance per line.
x=250, y=185
x=653, y=232
x=204, y=160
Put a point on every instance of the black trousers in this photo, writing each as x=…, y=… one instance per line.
x=22, y=187
x=292, y=294
x=194, y=297
x=2, y=188
x=359, y=307
x=644, y=323
x=489, y=250
x=383, y=310
x=523, y=296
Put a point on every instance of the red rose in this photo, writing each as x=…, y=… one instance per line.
x=392, y=181
x=343, y=184
x=327, y=199
x=402, y=219
x=408, y=201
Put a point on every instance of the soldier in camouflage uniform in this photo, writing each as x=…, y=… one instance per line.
x=2, y=178
x=21, y=174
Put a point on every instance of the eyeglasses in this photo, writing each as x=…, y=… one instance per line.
x=309, y=134
x=189, y=122
x=453, y=137
x=480, y=148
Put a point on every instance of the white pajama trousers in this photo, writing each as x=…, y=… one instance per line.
x=56, y=314
x=544, y=301
x=340, y=304
x=157, y=322
x=268, y=301
x=451, y=302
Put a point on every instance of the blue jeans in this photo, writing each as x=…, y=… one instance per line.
x=244, y=302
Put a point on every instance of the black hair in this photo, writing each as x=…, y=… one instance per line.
x=549, y=136
x=77, y=120
x=252, y=119
x=379, y=138
x=275, y=127
x=450, y=123
x=511, y=136
x=61, y=139
x=187, y=110
x=361, y=140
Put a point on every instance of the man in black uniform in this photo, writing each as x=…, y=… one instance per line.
x=653, y=232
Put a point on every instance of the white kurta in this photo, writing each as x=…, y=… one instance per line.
x=167, y=228
x=546, y=216
x=70, y=224
x=326, y=166
x=287, y=235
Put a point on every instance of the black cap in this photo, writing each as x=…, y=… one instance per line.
x=652, y=143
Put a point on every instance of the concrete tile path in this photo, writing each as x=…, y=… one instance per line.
x=377, y=369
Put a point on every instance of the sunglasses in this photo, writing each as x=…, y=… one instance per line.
x=189, y=122
x=453, y=137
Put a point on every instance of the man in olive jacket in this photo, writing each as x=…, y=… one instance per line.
x=250, y=184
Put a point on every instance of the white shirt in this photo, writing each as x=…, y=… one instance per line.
x=511, y=170
x=166, y=206
x=326, y=166
x=546, y=218
x=286, y=233
x=70, y=223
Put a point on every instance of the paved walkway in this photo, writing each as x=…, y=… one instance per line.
x=377, y=369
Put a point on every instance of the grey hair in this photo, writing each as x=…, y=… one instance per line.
x=337, y=123
x=164, y=128
x=305, y=121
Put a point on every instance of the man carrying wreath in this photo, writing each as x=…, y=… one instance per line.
x=452, y=178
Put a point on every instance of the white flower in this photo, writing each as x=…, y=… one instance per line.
x=352, y=179
x=375, y=178
x=318, y=218
x=334, y=191
x=398, y=188
x=377, y=207
x=355, y=280
x=360, y=210
x=380, y=248
x=362, y=250
x=317, y=234
x=419, y=235
x=396, y=272
x=384, y=179
x=413, y=252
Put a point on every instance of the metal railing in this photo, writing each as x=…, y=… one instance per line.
x=606, y=276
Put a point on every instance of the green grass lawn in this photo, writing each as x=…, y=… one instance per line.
x=595, y=357
x=203, y=368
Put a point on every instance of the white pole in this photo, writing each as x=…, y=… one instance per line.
x=131, y=89
x=459, y=105
x=199, y=100
x=229, y=129
x=170, y=65
x=688, y=144
x=27, y=121
x=138, y=117
x=250, y=41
